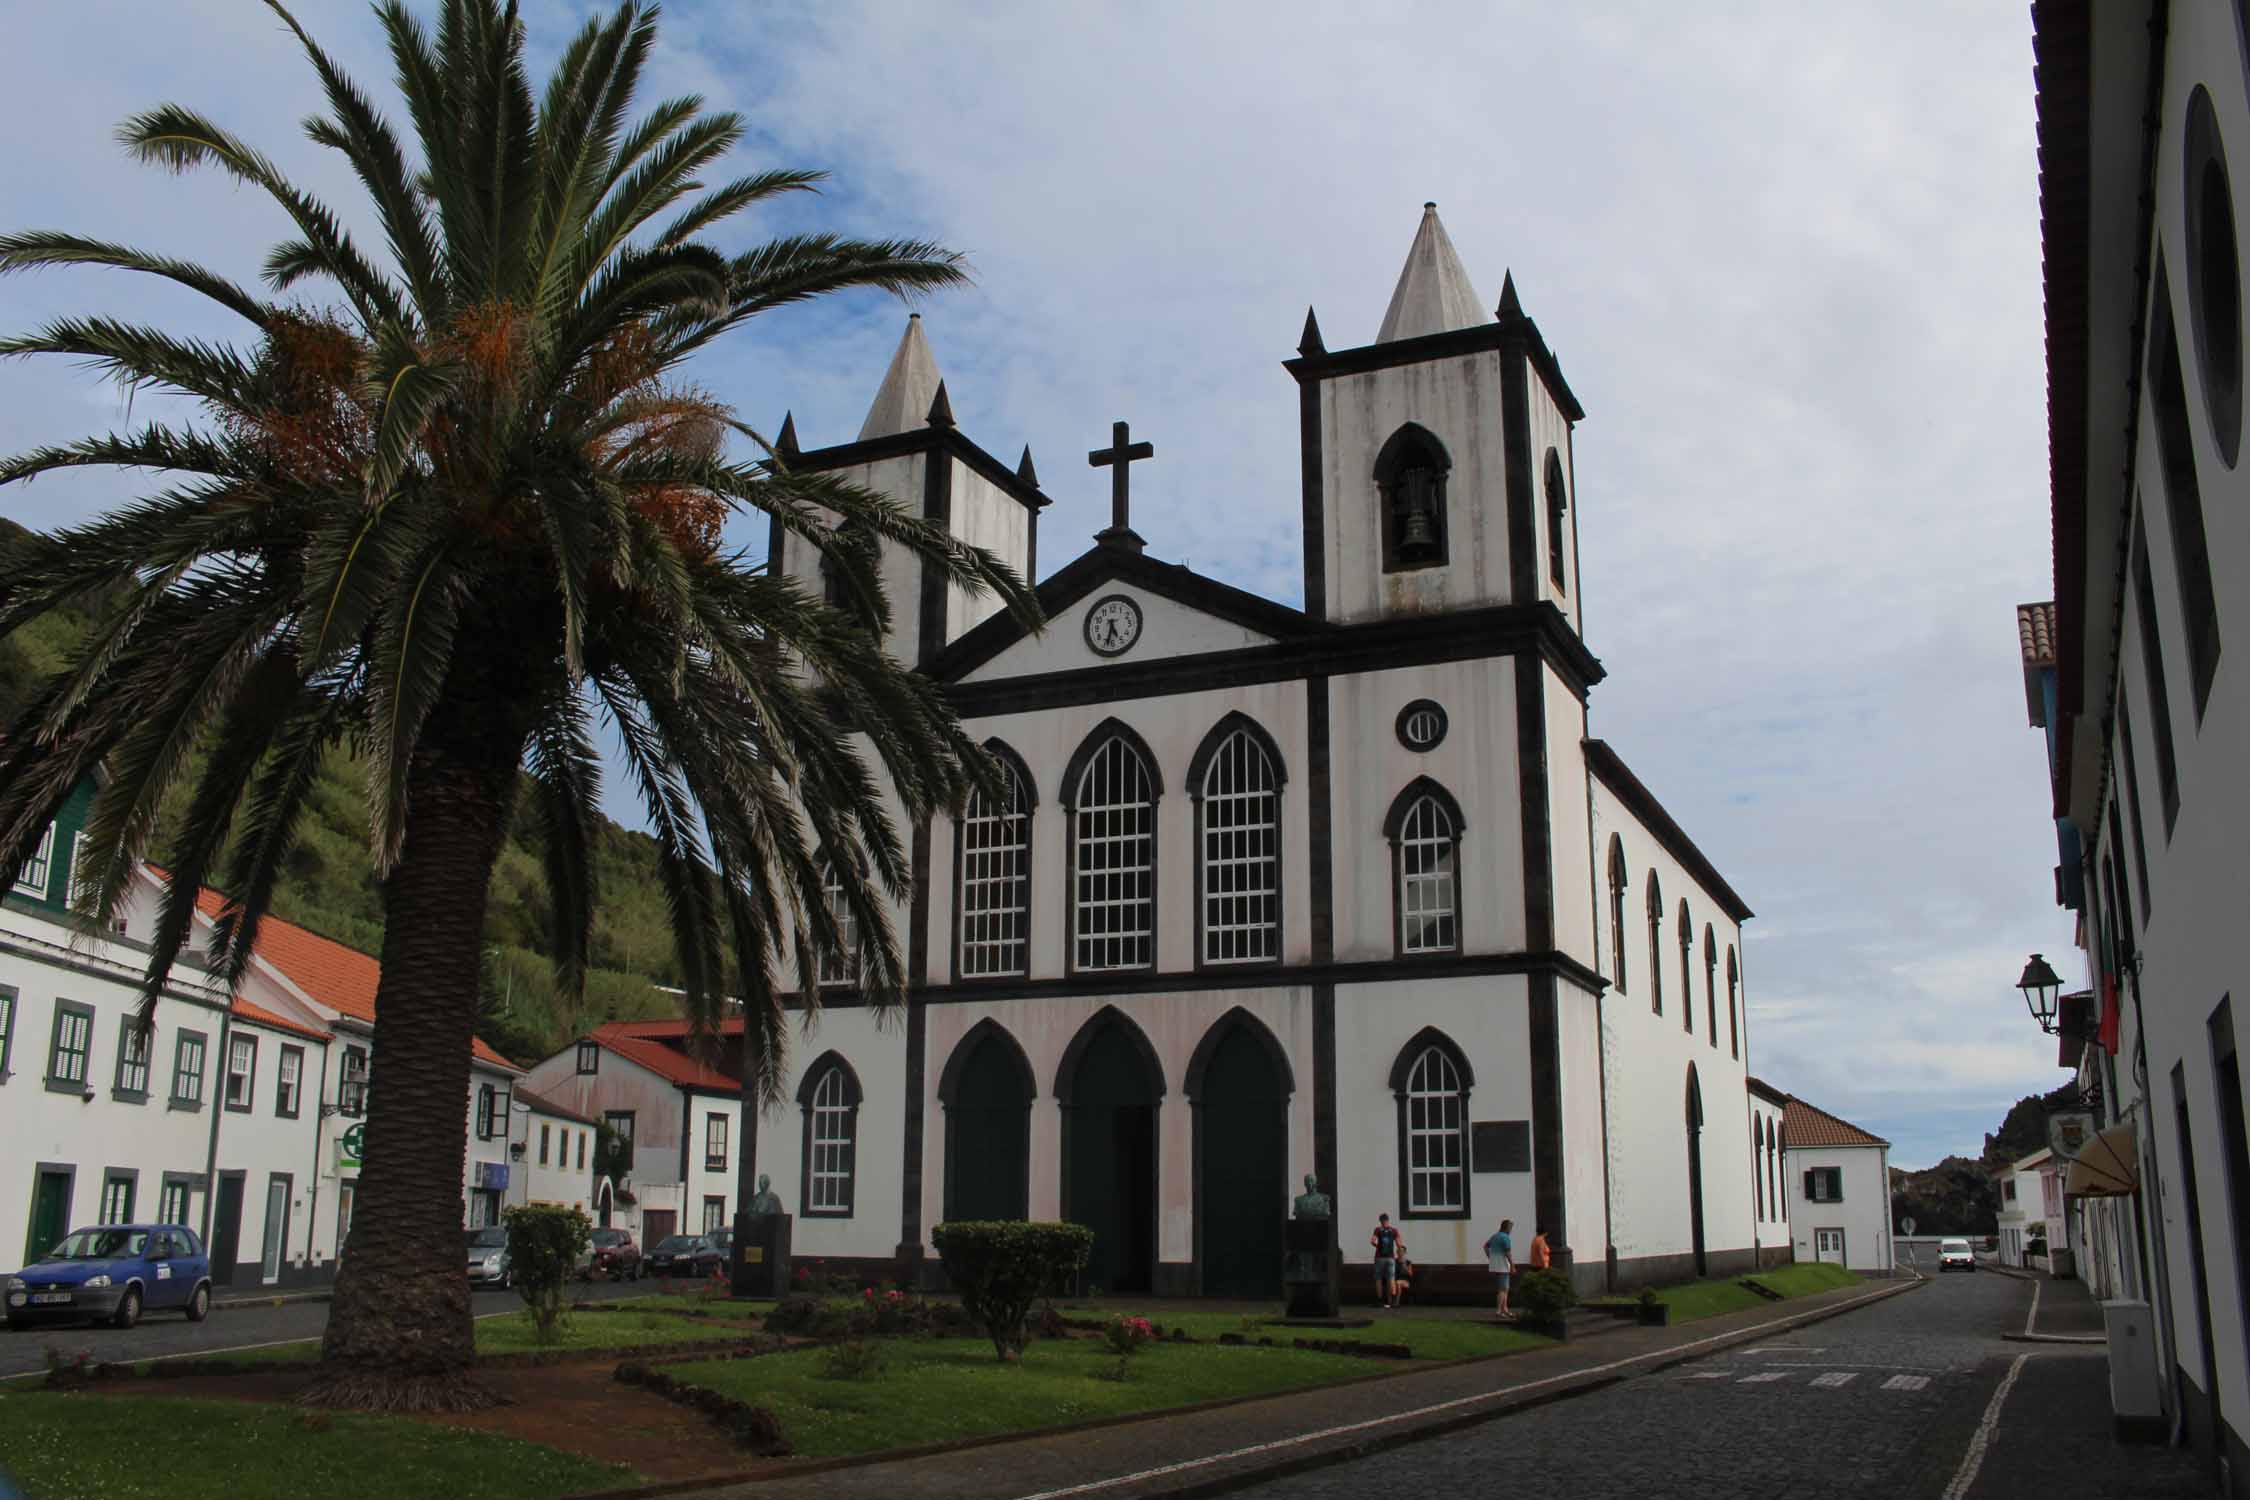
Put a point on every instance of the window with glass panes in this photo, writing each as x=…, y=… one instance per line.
x=351, y=1084
x=1435, y=1135
x=714, y=1214
x=132, y=1058
x=841, y=966
x=828, y=1187
x=714, y=1142
x=73, y=1044
x=1428, y=921
x=289, y=1084
x=242, y=1069
x=1241, y=814
x=172, y=1201
x=32, y=878
x=187, y=1068
x=117, y=1199
x=996, y=881
x=1114, y=888
x=7, y=1027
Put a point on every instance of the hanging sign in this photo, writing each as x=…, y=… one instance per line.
x=348, y=1146
x=2068, y=1133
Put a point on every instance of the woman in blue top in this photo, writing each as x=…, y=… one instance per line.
x=1500, y=1254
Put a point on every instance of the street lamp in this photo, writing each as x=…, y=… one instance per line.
x=2040, y=984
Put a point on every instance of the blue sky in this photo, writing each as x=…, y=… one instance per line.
x=1792, y=272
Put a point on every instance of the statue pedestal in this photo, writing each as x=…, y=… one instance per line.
x=1311, y=1268
x=761, y=1255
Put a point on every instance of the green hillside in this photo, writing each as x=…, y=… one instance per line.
x=328, y=886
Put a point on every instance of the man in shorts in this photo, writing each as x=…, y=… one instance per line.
x=1500, y=1254
x=1388, y=1248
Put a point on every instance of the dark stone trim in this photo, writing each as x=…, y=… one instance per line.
x=1517, y=334
x=1421, y=706
x=937, y=509
x=853, y=1097
x=917, y=1054
x=1324, y=1086
x=1642, y=803
x=1176, y=1278
x=1108, y=1016
x=1320, y=819
x=1543, y=1026
x=1540, y=630
x=1312, y=466
x=1522, y=500
x=1401, y=1069
x=938, y=442
x=1402, y=1066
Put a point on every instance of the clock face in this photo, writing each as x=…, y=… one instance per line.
x=1113, y=625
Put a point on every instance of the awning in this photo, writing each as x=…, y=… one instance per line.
x=2109, y=1167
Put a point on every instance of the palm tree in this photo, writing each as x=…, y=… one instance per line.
x=457, y=521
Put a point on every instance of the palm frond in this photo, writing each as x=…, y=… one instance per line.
x=35, y=248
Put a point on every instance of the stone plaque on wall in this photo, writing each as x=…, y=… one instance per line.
x=1500, y=1146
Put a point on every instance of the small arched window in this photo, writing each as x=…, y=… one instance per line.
x=1687, y=980
x=1617, y=880
x=840, y=965
x=1235, y=779
x=994, y=875
x=1113, y=795
x=1711, y=982
x=1758, y=1163
x=1655, y=946
x=1410, y=485
x=1558, y=505
x=1424, y=828
x=1431, y=1080
x=1734, y=1015
x=828, y=1100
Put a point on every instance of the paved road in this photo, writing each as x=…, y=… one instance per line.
x=1885, y=1401
x=227, y=1328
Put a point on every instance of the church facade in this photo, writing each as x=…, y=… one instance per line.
x=1347, y=890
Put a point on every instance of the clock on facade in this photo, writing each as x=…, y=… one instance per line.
x=1113, y=625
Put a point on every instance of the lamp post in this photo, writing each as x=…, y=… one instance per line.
x=2040, y=985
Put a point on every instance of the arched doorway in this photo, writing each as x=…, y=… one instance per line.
x=1109, y=1086
x=606, y=1203
x=1695, y=1167
x=1239, y=1084
x=986, y=1089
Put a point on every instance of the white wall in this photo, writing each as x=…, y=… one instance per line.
x=1864, y=1213
x=876, y=1050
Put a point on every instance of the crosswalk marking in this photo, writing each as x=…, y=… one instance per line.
x=1712, y=1375
x=1835, y=1378
x=1759, y=1379
x=1906, y=1382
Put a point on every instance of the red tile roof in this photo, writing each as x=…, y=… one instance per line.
x=1804, y=1125
x=665, y=1062
x=245, y=1011
x=541, y=1104
x=2035, y=632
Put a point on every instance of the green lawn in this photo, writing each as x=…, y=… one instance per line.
x=67, y=1447
x=936, y=1390
x=1707, y=1299
x=512, y=1333
x=1428, y=1337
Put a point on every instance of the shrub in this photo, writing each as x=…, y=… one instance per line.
x=544, y=1242
x=794, y=1314
x=853, y=1359
x=1544, y=1295
x=1002, y=1267
x=1124, y=1335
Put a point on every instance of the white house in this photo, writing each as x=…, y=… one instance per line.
x=2142, y=110
x=2031, y=1210
x=1837, y=1188
x=552, y=1152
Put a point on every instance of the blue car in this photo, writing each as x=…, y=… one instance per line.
x=114, y=1274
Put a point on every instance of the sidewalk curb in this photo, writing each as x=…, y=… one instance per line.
x=282, y=1299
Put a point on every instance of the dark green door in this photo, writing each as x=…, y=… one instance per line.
x=988, y=1136
x=1243, y=1141
x=50, y=1214
x=226, y=1227
x=1111, y=1120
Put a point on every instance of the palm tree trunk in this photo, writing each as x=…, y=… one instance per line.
x=399, y=1331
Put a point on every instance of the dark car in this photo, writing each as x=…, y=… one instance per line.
x=674, y=1255
x=717, y=1254
x=113, y=1274
x=616, y=1256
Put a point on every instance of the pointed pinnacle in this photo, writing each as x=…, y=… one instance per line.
x=941, y=410
x=786, y=444
x=1310, y=344
x=1024, y=470
x=1509, y=307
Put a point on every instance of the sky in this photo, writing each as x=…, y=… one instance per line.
x=1792, y=272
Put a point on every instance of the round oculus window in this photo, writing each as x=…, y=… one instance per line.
x=1421, y=725
x=1113, y=625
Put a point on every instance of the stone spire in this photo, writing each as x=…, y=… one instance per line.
x=910, y=385
x=1433, y=293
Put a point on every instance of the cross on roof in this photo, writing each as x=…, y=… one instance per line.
x=1116, y=458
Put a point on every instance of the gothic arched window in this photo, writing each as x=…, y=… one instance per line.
x=1558, y=504
x=1734, y=1015
x=1112, y=790
x=1431, y=1080
x=1687, y=981
x=1424, y=828
x=1235, y=779
x=840, y=966
x=1410, y=481
x=993, y=874
x=828, y=1099
x=1711, y=982
x=1758, y=1165
x=1617, y=879
x=1655, y=948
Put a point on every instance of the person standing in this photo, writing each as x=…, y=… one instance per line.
x=1387, y=1247
x=1542, y=1256
x=1500, y=1254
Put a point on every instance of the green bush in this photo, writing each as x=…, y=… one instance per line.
x=853, y=1359
x=794, y=1315
x=544, y=1242
x=1544, y=1296
x=1001, y=1268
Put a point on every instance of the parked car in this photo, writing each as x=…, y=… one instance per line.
x=488, y=1258
x=114, y=1273
x=717, y=1254
x=1955, y=1255
x=615, y=1255
x=674, y=1255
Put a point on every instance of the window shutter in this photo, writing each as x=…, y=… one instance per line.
x=1835, y=1184
x=1812, y=1184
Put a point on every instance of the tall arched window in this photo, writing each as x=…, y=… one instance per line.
x=1687, y=980
x=1758, y=1163
x=993, y=875
x=1113, y=791
x=1558, y=504
x=1617, y=879
x=1711, y=982
x=1655, y=946
x=842, y=965
x=1734, y=1015
x=828, y=1100
x=1424, y=828
x=1410, y=482
x=1235, y=779
x=1431, y=1080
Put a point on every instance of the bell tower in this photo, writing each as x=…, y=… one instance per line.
x=1437, y=459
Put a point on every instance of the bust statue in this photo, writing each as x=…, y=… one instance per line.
x=1312, y=1203
x=765, y=1204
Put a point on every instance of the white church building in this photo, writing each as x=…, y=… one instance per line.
x=1347, y=890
